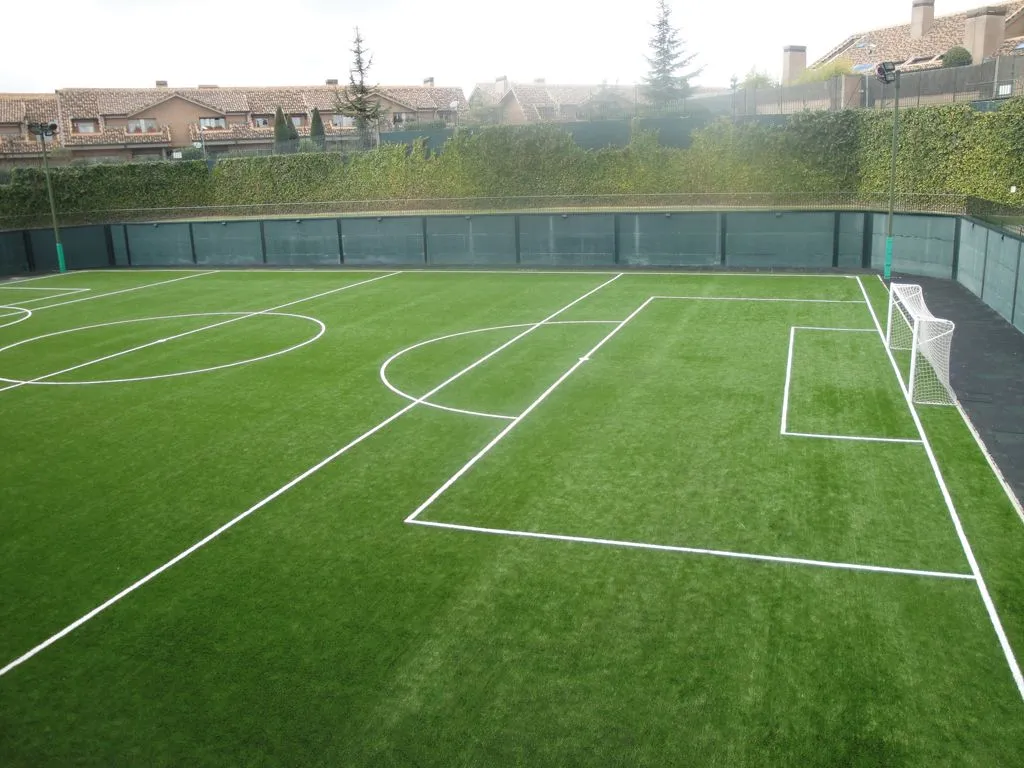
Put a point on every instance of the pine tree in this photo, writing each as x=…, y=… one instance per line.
x=281, y=133
x=359, y=100
x=316, y=130
x=666, y=85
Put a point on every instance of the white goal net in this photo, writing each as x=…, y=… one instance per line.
x=911, y=326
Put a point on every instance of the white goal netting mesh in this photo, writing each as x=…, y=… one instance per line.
x=911, y=326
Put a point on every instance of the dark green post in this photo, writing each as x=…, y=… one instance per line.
x=895, y=75
x=44, y=130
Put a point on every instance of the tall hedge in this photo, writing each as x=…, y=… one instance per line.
x=949, y=149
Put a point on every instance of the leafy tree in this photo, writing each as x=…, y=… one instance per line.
x=282, y=133
x=667, y=84
x=755, y=79
x=957, y=56
x=316, y=129
x=359, y=100
x=834, y=68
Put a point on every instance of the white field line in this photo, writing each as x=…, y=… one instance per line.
x=28, y=279
x=984, y=449
x=263, y=502
x=57, y=295
x=745, y=298
x=529, y=409
x=783, y=429
x=997, y=625
x=861, y=438
x=123, y=290
x=383, y=372
x=785, y=387
x=697, y=551
x=183, y=334
x=837, y=330
x=531, y=271
x=5, y=287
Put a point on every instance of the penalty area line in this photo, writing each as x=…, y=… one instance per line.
x=698, y=551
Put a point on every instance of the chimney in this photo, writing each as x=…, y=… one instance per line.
x=332, y=81
x=985, y=32
x=922, y=17
x=161, y=83
x=538, y=81
x=794, y=62
x=428, y=82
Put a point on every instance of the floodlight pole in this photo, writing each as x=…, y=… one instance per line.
x=892, y=178
x=42, y=130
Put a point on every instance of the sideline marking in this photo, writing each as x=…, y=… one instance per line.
x=1014, y=501
x=518, y=419
x=610, y=269
x=387, y=383
x=87, y=382
x=997, y=625
x=266, y=500
x=783, y=428
x=698, y=551
x=29, y=279
x=3, y=286
x=241, y=316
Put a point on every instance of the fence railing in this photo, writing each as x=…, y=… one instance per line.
x=672, y=202
x=999, y=78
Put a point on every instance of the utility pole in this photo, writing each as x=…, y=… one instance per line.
x=886, y=73
x=44, y=131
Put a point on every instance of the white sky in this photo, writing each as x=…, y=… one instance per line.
x=132, y=43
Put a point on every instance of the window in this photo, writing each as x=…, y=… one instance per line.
x=142, y=125
x=212, y=123
x=262, y=121
x=1019, y=47
x=342, y=121
x=84, y=126
x=298, y=120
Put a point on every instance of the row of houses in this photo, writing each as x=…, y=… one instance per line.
x=98, y=124
x=102, y=124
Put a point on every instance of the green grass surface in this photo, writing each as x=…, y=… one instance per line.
x=321, y=630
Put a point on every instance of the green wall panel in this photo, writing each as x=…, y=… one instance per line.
x=792, y=239
x=922, y=245
x=84, y=248
x=384, y=240
x=676, y=239
x=1001, y=273
x=973, y=244
x=1018, y=313
x=851, y=239
x=120, y=244
x=302, y=242
x=465, y=240
x=13, y=259
x=227, y=243
x=572, y=240
x=151, y=245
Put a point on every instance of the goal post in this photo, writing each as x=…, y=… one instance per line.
x=910, y=326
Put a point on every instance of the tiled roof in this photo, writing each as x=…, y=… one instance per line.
x=1012, y=45
x=896, y=44
x=115, y=137
x=22, y=107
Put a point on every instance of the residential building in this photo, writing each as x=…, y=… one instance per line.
x=152, y=123
x=538, y=102
x=986, y=32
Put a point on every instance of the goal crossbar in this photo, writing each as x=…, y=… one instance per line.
x=910, y=326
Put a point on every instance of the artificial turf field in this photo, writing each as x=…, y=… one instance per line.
x=579, y=538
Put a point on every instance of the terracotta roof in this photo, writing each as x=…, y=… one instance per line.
x=12, y=111
x=31, y=107
x=1012, y=46
x=896, y=44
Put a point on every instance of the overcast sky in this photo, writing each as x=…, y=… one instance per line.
x=132, y=43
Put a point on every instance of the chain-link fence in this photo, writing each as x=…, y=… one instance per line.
x=998, y=78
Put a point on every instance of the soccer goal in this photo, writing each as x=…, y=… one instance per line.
x=911, y=326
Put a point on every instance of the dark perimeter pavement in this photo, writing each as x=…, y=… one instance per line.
x=986, y=370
